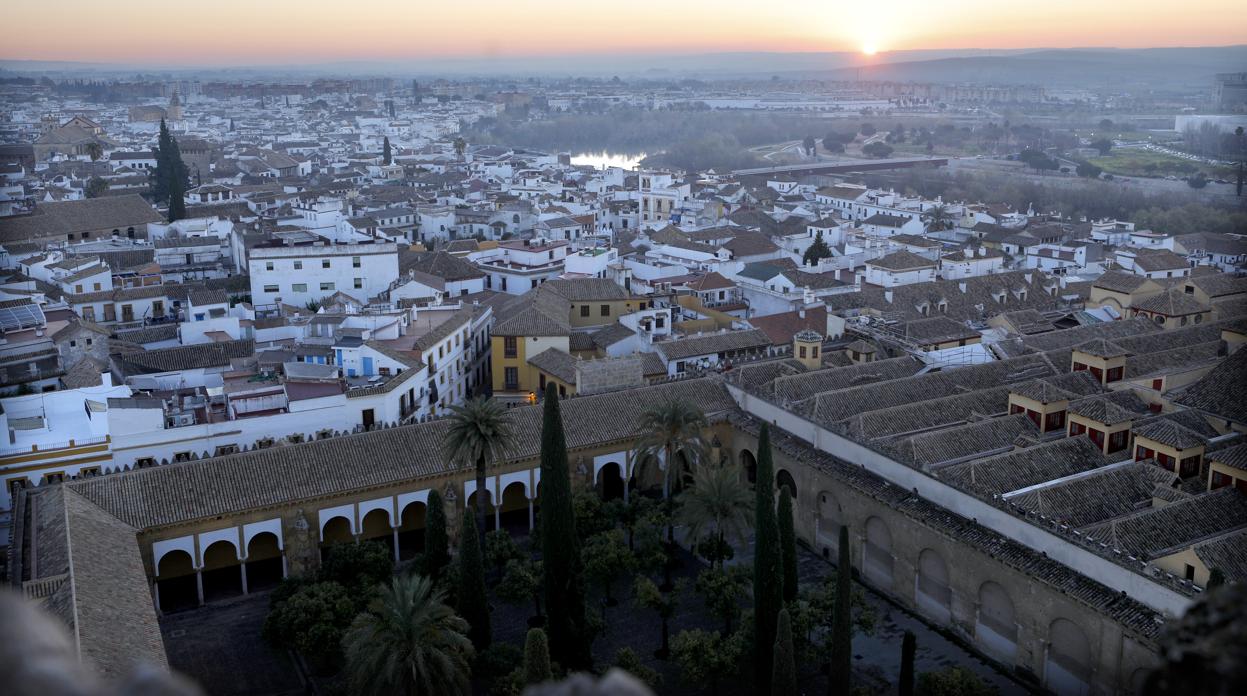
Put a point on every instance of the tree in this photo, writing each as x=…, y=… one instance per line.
x=1216, y=578
x=360, y=568
x=627, y=660
x=94, y=150
x=908, y=648
x=408, y=642
x=501, y=549
x=1106, y=124
x=536, y=657
x=461, y=146
x=606, y=558
x=1198, y=181
x=481, y=431
x=768, y=590
x=705, y=657
x=867, y=129
x=842, y=628
x=717, y=505
x=312, y=622
x=648, y=596
x=723, y=590
x=1088, y=170
x=96, y=187
x=436, y=541
x=521, y=582
x=1103, y=145
x=787, y=545
x=473, y=602
x=784, y=673
x=668, y=428
x=809, y=144
x=387, y=155
x=818, y=250
x=877, y=150
x=939, y=216
x=953, y=681
x=169, y=166
x=565, y=601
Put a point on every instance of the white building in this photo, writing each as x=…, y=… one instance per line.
x=296, y=274
x=516, y=267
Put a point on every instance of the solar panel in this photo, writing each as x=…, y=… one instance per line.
x=20, y=317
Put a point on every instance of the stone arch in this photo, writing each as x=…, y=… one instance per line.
x=175, y=581
x=783, y=479
x=931, y=587
x=877, y=553
x=828, y=523
x=995, y=627
x=222, y=571
x=749, y=463
x=683, y=476
x=375, y=526
x=412, y=520
x=336, y=531
x=514, y=509
x=489, y=508
x=265, y=565
x=1068, y=665
x=609, y=482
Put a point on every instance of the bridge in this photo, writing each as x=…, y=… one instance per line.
x=844, y=166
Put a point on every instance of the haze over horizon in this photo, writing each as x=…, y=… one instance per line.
x=287, y=32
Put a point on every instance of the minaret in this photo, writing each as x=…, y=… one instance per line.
x=805, y=348
x=174, y=113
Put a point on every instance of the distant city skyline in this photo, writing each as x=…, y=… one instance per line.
x=285, y=32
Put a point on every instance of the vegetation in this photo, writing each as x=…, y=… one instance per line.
x=768, y=581
x=521, y=583
x=784, y=674
x=841, y=674
x=480, y=432
x=877, y=150
x=96, y=187
x=473, y=602
x=500, y=550
x=408, y=642
x=705, y=657
x=716, y=508
x=565, y=602
x=787, y=545
x=436, y=540
x=818, y=250
x=668, y=428
x=171, y=175
x=311, y=619
x=908, y=648
x=953, y=681
x=606, y=558
x=723, y=589
x=387, y=154
x=536, y=657
x=627, y=660
x=648, y=596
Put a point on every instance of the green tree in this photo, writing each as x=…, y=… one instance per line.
x=908, y=648
x=723, y=590
x=705, y=657
x=436, y=540
x=461, y=146
x=94, y=150
x=877, y=150
x=842, y=628
x=809, y=144
x=536, y=657
x=408, y=642
x=787, y=545
x=627, y=660
x=818, y=250
x=768, y=589
x=96, y=187
x=717, y=506
x=938, y=216
x=1198, y=181
x=606, y=558
x=784, y=672
x=473, y=602
x=867, y=129
x=1103, y=145
x=1088, y=170
x=387, y=155
x=953, y=681
x=501, y=549
x=669, y=428
x=1216, y=578
x=481, y=431
x=564, y=579
x=360, y=568
x=648, y=596
x=312, y=622
x=521, y=583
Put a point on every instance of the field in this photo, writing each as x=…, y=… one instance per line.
x=1138, y=162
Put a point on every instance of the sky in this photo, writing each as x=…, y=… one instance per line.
x=284, y=32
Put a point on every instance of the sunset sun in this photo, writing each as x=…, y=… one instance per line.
x=869, y=48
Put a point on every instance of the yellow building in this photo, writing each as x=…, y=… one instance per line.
x=1175, y=447
x=1171, y=309
x=1228, y=467
x=1105, y=420
x=1105, y=360
x=1121, y=290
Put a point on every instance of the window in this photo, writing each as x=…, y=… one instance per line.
x=268, y=265
x=511, y=377
x=1220, y=480
x=326, y=287
x=355, y=262
x=802, y=350
x=271, y=288
x=298, y=265
x=298, y=287
x=606, y=310
x=359, y=283
x=509, y=347
x=324, y=263
x=223, y=450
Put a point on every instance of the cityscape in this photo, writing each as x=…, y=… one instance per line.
x=493, y=350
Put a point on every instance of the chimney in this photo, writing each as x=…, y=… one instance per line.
x=887, y=295
x=983, y=251
x=962, y=287
x=801, y=312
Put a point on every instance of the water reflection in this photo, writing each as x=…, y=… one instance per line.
x=597, y=160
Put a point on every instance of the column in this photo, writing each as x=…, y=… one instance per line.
x=199, y=585
x=530, y=515
x=156, y=596
x=283, y=564
x=498, y=514
x=396, y=554
x=242, y=570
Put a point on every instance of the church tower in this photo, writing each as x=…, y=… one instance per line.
x=174, y=112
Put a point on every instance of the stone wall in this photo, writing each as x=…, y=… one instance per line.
x=608, y=374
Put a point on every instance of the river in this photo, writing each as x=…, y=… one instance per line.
x=598, y=160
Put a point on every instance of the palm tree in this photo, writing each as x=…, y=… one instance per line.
x=461, y=145
x=94, y=150
x=718, y=505
x=668, y=428
x=938, y=214
x=409, y=641
x=480, y=430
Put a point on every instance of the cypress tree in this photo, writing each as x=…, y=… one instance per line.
x=536, y=657
x=787, y=545
x=842, y=626
x=784, y=674
x=768, y=579
x=560, y=545
x=473, y=604
x=436, y=541
x=908, y=646
x=160, y=178
x=177, y=198
x=1216, y=578
x=386, y=153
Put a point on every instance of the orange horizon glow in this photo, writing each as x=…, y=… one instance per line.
x=241, y=32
